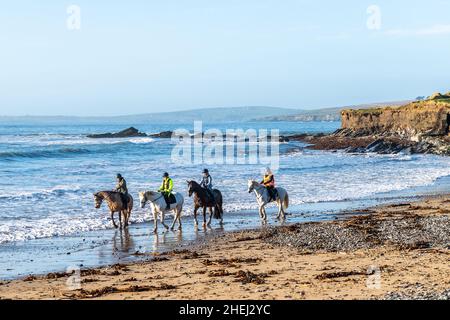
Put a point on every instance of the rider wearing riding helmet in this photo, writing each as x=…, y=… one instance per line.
x=207, y=182
x=269, y=182
x=121, y=187
x=166, y=188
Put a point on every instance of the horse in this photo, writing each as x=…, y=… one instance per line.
x=115, y=204
x=203, y=200
x=159, y=205
x=262, y=197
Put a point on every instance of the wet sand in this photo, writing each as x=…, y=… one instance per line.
x=391, y=252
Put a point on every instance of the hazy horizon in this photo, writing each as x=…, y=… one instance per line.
x=107, y=59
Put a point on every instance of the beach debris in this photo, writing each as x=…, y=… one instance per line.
x=131, y=279
x=96, y=293
x=246, y=277
x=403, y=230
x=417, y=292
x=29, y=278
x=233, y=262
x=339, y=274
x=219, y=273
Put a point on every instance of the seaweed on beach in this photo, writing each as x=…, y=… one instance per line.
x=96, y=293
x=405, y=231
x=233, y=262
x=219, y=273
x=339, y=274
x=29, y=278
x=246, y=277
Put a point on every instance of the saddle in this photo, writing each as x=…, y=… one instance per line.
x=124, y=198
x=170, y=199
x=273, y=194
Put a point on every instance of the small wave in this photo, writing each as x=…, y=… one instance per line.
x=9, y=155
x=141, y=140
x=59, y=190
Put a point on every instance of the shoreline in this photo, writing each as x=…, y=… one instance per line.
x=313, y=260
x=106, y=247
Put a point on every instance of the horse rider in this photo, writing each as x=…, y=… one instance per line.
x=121, y=187
x=166, y=188
x=206, y=183
x=269, y=182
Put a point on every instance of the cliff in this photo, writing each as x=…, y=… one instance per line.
x=420, y=118
x=417, y=127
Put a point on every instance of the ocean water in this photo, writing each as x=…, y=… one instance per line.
x=49, y=172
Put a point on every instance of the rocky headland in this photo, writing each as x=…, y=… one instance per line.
x=417, y=127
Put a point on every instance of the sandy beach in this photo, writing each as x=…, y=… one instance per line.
x=399, y=251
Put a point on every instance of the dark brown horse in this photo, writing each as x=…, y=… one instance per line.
x=115, y=204
x=202, y=199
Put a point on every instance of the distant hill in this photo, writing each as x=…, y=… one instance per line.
x=225, y=114
x=207, y=115
x=327, y=114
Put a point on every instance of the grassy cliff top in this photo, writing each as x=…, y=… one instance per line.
x=436, y=100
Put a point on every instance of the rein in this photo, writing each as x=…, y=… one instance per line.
x=146, y=200
x=257, y=188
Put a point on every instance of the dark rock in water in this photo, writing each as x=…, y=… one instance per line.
x=127, y=133
x=168, y=135
x=163, y=134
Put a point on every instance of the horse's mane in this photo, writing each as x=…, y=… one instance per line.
x=194, y=184
x=105, y=194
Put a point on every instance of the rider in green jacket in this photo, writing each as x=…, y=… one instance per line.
x=166, y=188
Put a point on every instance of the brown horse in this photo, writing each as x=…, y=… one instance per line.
x=115, y=204
x=203, y=200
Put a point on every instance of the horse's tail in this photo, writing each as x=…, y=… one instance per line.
x=130, y=203
x=286, y=201
x=218, y=212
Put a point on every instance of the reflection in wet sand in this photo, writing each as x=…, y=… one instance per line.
x=125, y=243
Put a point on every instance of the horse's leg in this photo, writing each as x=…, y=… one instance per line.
x=155, y=221
x=280, y=209
x=179, y=217
x=162, y=221
x=112, y=218
x=263, y=215
x=127, y=216
x=210, y=216
x=204, y=217
x=283, y=216
x=195, y=217
x=120, y=218
x=175, y=217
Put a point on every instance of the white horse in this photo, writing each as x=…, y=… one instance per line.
x=262, y=197
x=158, y=204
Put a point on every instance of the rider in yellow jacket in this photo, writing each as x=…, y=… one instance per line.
x=269, y=182
x=166, y=188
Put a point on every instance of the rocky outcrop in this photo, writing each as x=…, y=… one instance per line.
x=420, y=118
x=162, y=135
x=417, y=127
x=127, y=133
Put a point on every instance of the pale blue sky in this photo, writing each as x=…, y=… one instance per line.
x=147, y=56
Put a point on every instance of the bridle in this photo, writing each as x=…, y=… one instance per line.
x=146, y=199
x=257, y=188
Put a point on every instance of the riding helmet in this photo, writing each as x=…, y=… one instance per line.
x=165, y=175
x=205, y=171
